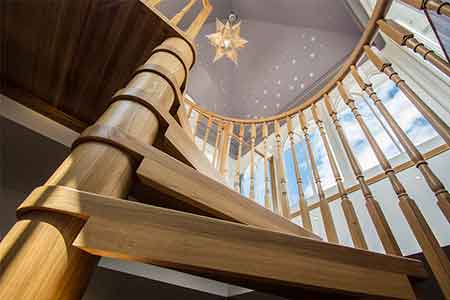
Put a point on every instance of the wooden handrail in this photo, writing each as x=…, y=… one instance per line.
x=439, y=6
x=403, y=37
x=369, y=32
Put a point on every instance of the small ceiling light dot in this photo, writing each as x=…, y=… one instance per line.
x=279, y=82
x=291, y=87
x=304, y=47
x=278, y=95
x=311, y=74
x=256, y=101
x=295, y=78
x=313, y=38
x=302, y=85
x=278, y=105
x=294, y=61
x=277, y=67
x=265, y=92
x=312, y=55
x=265, y=106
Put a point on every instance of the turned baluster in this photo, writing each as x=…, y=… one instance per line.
x=219, y=134
x=432, y=180
x=404, y=37
x=224, y=153
x=383, y=66
x=201, y=18
x=439, y=6
x=347, y=206
x=237, y=176
x=177, y=18
x=303, y=206
x=373, y=207
x=206, y=135
x=434, y=254
x=279, y=166
x=265, y=133
x=252, y=161
x=325, y=211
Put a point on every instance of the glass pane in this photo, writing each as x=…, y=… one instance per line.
x=357, y=140
x=322, y=162
x=379, y=133
x=405, y=113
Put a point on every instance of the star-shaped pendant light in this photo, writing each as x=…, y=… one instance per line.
x=227, y=39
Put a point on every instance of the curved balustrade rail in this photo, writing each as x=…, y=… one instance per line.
x=266, y=136
x=196, y=25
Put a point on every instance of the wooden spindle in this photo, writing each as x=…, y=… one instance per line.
x=404, y=37
x=330, y=228
x=347, y=206
x=206, y=135
x=252, y=161
x=435, y=121
x=237, y=176
x=219, y=134
x=201, y=18
x=303, y=206
x=433, y=181
x=228, y=134
x=439, y=6
x=373, y=207
x=177, y=18
x=279, y=165
x=265, y=133
x=434, y=254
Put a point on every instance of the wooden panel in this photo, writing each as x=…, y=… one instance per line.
x=185, y=184
x=75, y=55
x=128, y=230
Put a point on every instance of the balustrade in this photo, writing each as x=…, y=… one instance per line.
x=270, y=146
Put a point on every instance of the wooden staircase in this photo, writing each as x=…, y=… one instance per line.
x=70, y=60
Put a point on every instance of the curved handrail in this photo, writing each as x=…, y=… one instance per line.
x=369, y=32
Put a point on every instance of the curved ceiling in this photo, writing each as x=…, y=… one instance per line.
x=294, y=45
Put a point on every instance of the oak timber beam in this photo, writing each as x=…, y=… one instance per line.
x=252, y=256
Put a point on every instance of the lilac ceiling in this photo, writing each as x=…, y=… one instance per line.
x=293, y=46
